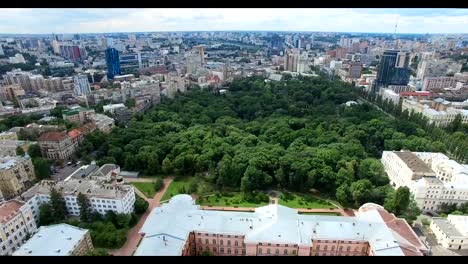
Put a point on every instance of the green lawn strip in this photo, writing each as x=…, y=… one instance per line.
x=305, y=201
x=175, y=187
x=230, y=201
x=147, y=188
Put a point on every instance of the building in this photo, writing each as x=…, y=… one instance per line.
x=437, y=111
x=103, y=123
x=451, y=233
x=18, y=58
x=8, y=147
x=56, y=145
x=16, y=175
x=72, y=52
x=81, y=84
x=112, y=107
x=57, y=240
x=17, y=76
x=16, y=222
x=180, y=227
x=106, y=173
x=431, y=83
x=113, y=63
x=291, y=60
x=11, y=92
x=355, y=70
x=8, y=136
x=393, y=69
x=78, y=114
x=432, y=178
x=390, y=95
x=102, y=196
x=437, y=68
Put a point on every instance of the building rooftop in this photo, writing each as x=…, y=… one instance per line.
x=11, y=143
x=447, y=227
x=413, y=162
x=167, y=227
x=75, y=186
x=7, y=163
x=9, y=209
x=52, y=136
x=54, y=240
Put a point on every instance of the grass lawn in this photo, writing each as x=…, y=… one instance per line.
x=175, y=186
x=145, y=187
x=304, y=201
x=332, y=214
x=235, y=200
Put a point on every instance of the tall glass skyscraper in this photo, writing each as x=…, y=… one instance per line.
x=113, y=63
x=393, y=69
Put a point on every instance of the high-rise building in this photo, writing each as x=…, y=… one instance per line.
x=1, y=50
x=393, y=69
x=81, y=85
x=72, y=52
x=290, y=63
x=113, y=63
x=200, y=50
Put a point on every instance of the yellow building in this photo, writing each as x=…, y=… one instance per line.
x=16, y=175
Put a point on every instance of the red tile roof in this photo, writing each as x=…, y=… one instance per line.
x=9, y=209
x=52, y=136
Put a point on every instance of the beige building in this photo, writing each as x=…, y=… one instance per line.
x=8, y=136
x=56, y=145
x=16, y=222
x=78, y=115
x=8, y=147
x=16, y=175
x=9, y=92
x=181, y=228
x=451, y=233
x=103, y=123
x=57, y=240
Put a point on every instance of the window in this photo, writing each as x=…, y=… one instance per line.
x=260, y=251
x=222, y=250
x=294, y=252
x=318, y=247
x=236, y=243
x=285, y=252
x=229, y=242
x=268, y=251
x=199, y=240
x=214, y=241
x=229, y=251
x=277, y=252
x=341, y=248
x=221, y=242
x=236, y=252
x=325, y=247
x=348, y=248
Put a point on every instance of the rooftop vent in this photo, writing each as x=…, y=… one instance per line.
x=69, y=238
x=58, y=250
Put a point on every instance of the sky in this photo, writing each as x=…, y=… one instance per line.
x=95, y=20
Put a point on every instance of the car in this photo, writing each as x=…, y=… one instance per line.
x=69, y=163
x=78, y=163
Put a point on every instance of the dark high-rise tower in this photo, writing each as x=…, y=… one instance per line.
x=113, y=63
x=393, y=69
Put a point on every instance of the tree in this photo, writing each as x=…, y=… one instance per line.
x=167, y=167
x=41, y=168
x=85, y=207
x=19, y=151
x=342, y=194
x=57, y=203
x=158, y=184
x=45, y=214
x=140, y=205
x=372, y=169
x=360, y=191
x=97, y=252
x=398, y=202
x=34, y=151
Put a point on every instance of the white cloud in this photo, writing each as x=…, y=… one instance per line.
x=138, y=20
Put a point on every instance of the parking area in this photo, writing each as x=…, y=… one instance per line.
x=64, y=172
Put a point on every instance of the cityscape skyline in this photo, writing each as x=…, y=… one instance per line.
x=96, y=20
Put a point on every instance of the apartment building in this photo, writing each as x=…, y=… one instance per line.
x=180, y=227
x=78, y=114
x=16, y=175
x=8, y=136
x=77, y=135
x=431, y=83
x=438, y=111
x=57, y=240
x=56, y=145
x=8, y=147
x=432, y=178
x=451, y=232
x=103, y=123
x=16, y=222
x=103, y=197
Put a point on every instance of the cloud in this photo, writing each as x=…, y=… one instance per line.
x=94, y=20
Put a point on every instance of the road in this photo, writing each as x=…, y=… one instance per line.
x=133, y=236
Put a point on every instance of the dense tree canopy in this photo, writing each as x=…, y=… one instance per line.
x=295, y=134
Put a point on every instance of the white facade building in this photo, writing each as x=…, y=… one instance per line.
x=103, y=197
x=451, y=233
x=440, y=118
x=390, y=95
x=432, y=177
x=81, y=85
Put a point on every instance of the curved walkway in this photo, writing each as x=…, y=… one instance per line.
x=133, y=236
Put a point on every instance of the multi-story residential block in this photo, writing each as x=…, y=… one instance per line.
x=431, y=83
x=103, y=122
x=16, y=222
x=56, y=145
x=81, y=85
x=77, y=135
x=180, y=227
x=451, y=232
x=19, y=77
x=8, y=136
x=438, y=111
x=10, y=92
x=57, y=240
x=432, y=178
x=390, y=95
x=112, y=107
x=16, y=175
x=78, y=114
x=102, y=196
x=8, y=147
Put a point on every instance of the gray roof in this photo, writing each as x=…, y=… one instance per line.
x=54, y=240
x=447, y=227
x=272, y=223
x=413, y=162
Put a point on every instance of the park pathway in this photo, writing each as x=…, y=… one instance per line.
x=133, y=236
x=300, y=210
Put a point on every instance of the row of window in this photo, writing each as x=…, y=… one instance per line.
x=228, y=236
x=363, y=250
x=277, y=252
x=221, y=242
